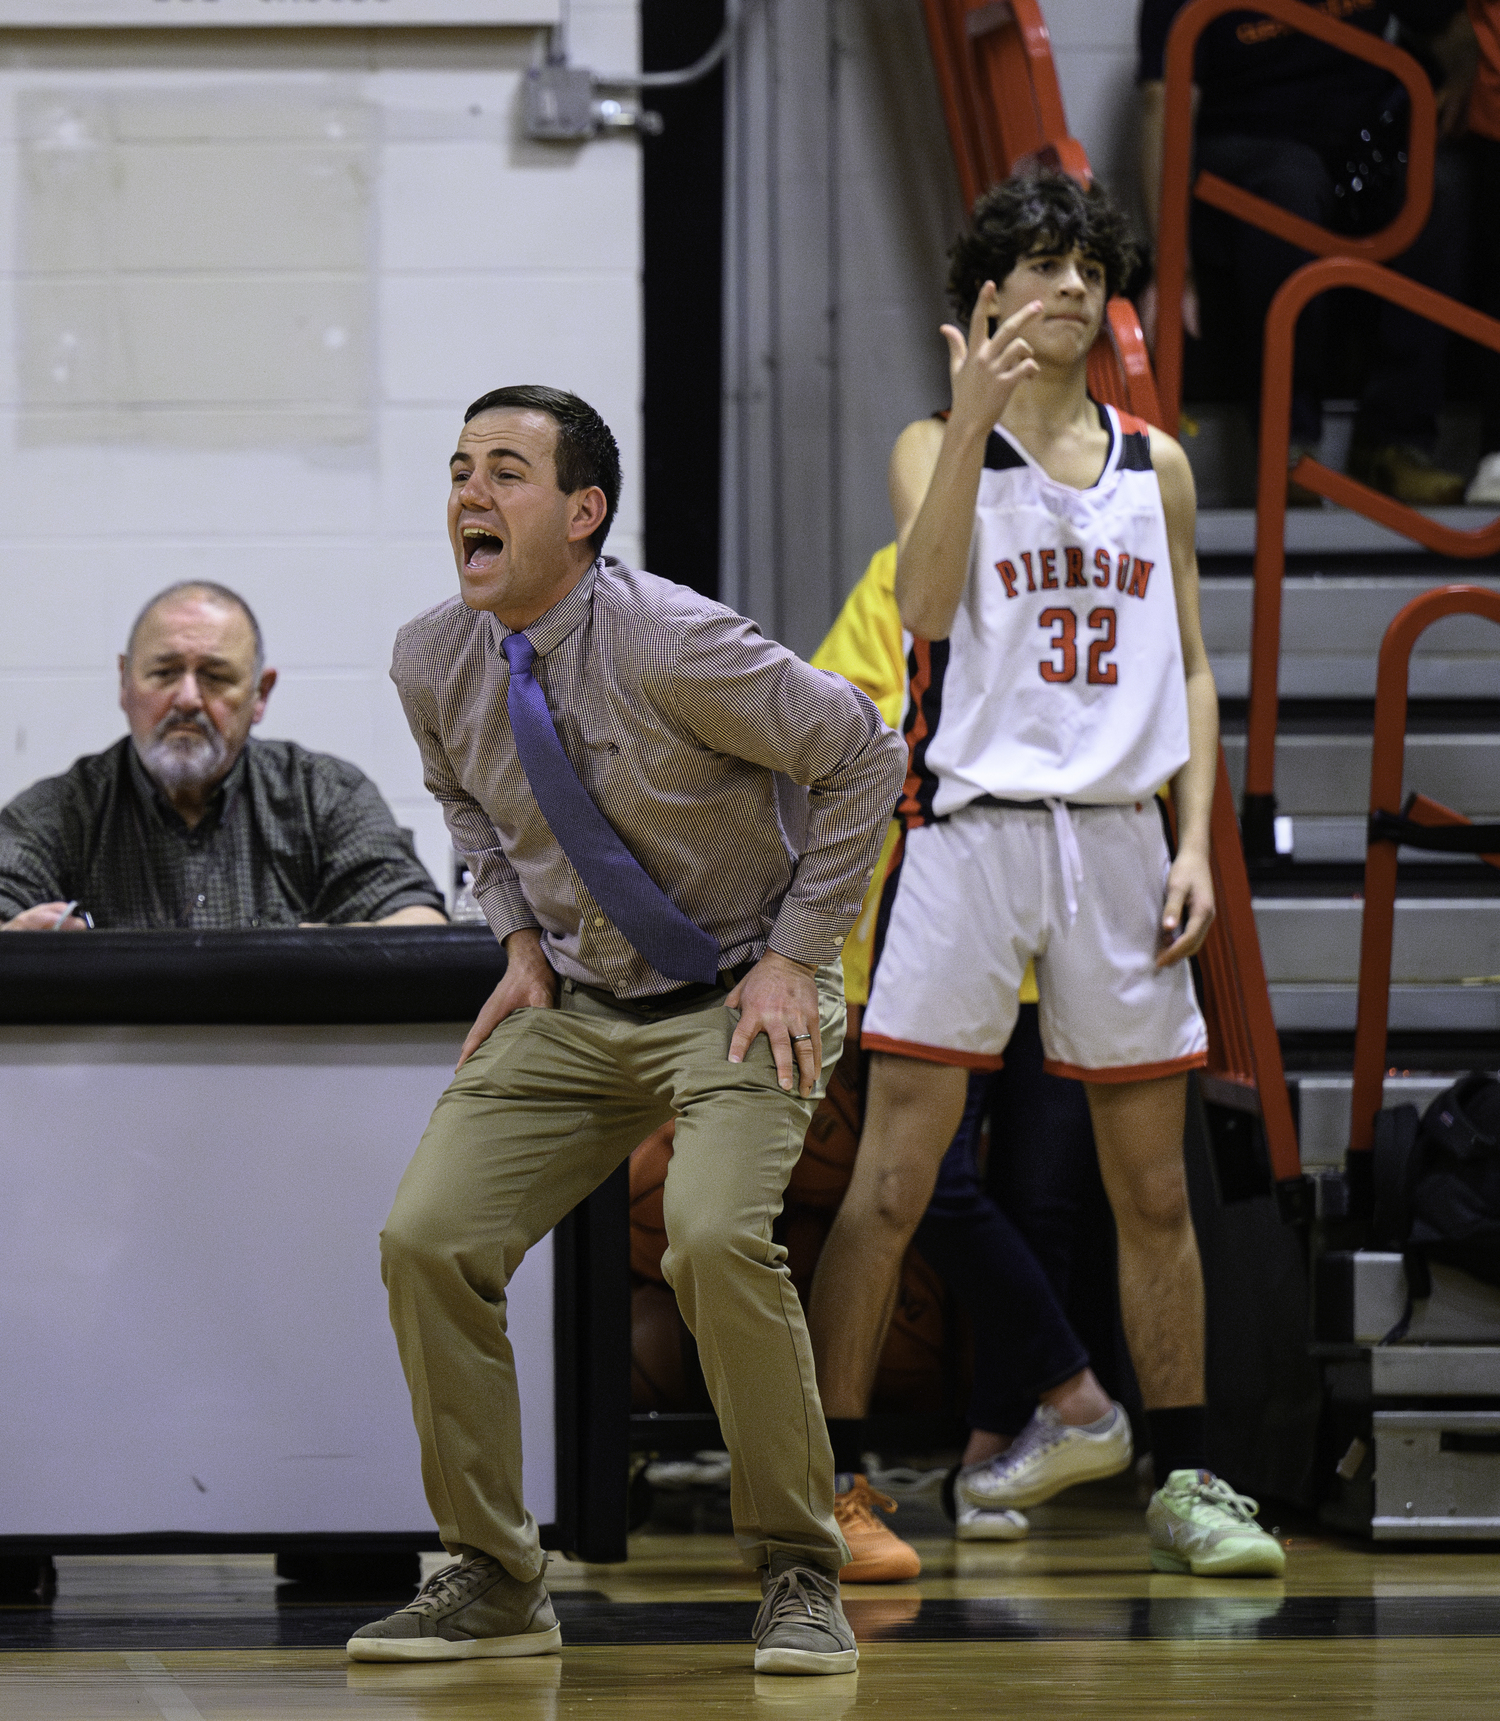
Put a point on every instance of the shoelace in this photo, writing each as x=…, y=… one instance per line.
x=793, y=1596
x=858, y=1504
x=1219, y=1493
x=1045, y=1429
x=445, y=1586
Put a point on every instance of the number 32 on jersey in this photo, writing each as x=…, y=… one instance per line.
x=1063, y=664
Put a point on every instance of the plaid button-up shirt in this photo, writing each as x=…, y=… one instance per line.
x=289, y=836
x=676, y=713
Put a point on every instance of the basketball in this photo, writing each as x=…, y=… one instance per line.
x=912, y=1374
x=648, y=1172
x=657, y=1381
x=822, y=1174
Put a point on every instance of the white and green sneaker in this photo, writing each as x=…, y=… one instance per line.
x=1199, y=1524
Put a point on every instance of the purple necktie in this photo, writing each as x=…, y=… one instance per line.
x=615, y=878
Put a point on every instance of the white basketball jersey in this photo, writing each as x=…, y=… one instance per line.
x=1062, y=675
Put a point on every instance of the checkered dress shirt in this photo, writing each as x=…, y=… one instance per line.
x=289, y=836
x=676, y=713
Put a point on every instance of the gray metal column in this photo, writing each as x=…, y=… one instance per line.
x=841, y=201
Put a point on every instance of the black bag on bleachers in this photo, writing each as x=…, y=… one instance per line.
x=1437, y=1183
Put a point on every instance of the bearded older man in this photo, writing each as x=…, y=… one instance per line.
x=187, y=821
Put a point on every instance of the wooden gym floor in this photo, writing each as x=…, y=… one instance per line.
x=1069, y=1623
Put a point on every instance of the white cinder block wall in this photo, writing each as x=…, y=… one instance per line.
x=248, y=281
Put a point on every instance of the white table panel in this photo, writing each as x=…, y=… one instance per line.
x=194, y=1328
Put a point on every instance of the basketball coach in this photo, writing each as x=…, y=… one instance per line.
x=604, y=745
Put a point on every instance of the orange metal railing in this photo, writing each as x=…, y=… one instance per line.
x=1342, y=261
x=1120, y=367
x=1000, y=90
x=1387, y=764
x=1003, y=104
x=1433, y=815
x=1244, y=1052
x=1270, y=515
x=1177, y=152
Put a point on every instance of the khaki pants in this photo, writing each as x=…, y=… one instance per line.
x=536, y=1119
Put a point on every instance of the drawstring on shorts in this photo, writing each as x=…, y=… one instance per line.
x=1069, y=858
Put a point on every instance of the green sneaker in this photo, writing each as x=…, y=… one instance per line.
x=1199, y=1524
x=473, y=1608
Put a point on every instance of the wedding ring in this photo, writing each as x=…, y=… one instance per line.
x=801, y=1036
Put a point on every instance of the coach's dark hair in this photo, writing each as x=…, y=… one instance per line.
x=587, y=453
x=1038, y=209
x=211, y=589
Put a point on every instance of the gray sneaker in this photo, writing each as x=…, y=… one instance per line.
x=1046, y=1456
x=469, y=1609
x=801, y=1626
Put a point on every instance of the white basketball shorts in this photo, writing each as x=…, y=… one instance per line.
x=1081, y=891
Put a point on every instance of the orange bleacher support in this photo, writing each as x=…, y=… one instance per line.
x=1244, y=1052
x=1419, y=810
x=1003, y=104
x=1120, y=366
x=999, y=86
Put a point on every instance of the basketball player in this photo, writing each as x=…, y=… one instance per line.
x=1047, y=578
x=1031, y=1370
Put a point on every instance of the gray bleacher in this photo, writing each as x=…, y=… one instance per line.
x=1416, y=1422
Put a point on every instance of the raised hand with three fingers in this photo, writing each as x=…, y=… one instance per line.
x=985, y=368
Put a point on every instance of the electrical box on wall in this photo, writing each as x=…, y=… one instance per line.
x=562, y=105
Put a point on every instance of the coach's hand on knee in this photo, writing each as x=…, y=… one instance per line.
x=779, y=998
x=1189, y=910
x=530, y=983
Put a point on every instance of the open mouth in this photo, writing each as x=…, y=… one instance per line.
x=481, y=548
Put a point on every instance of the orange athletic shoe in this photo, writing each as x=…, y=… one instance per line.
x=876, y=1555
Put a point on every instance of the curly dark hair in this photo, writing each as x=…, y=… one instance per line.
x=586, y=452
x=1038, y=209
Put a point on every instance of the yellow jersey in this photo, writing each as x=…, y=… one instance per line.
x=865, y=646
